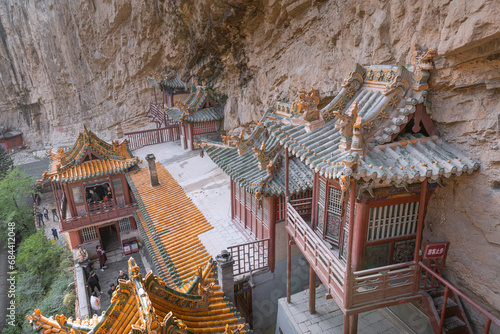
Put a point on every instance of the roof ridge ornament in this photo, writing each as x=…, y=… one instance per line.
x=345, y=125
x=422, y=62
x=306, y=106
x=357, y=138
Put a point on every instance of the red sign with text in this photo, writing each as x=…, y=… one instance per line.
x=435, y=251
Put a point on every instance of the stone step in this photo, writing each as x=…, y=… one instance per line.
x=453, y=325
x=450, y=304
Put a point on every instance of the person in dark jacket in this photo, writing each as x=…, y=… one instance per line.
x=122, y=275
x=102, y=257
x=112, y=288
x=54, y=233
x=93, y=282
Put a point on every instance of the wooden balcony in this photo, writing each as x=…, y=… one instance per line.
x=330, y=270
x=102, y=211
x=357, y=291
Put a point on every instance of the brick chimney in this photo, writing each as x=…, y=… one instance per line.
x=153, y=174
x=225, y=270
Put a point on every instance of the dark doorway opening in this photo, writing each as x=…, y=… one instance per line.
x=109, y=237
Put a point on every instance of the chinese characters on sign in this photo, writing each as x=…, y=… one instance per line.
x=435, y=251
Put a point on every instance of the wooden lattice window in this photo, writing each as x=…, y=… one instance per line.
x=393, y=221
x=280, y=208
x=125, y=224
x=345, y=236
x=237, y=191
x=265, y=207
x=88, y=233
x=117, y=186
x=204, y=127
x=321, y=206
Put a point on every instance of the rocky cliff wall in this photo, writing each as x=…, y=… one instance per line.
x=70, y=63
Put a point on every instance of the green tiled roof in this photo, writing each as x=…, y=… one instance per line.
x=167, y=81
x=199, y=106
x=244, y=168
x=202, y=115
x=386, y=102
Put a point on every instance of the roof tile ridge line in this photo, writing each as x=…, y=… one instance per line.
x=163, y=252
x=154, y=235
x=351, y=81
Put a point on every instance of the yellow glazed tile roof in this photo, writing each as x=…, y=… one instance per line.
x=89, y=157
x=149, y=306
x=170, y=223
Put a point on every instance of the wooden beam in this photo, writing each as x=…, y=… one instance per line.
x=346, y=324
x=353, y=323
x=272, y=232
x=288, y=245
x=420, y=228
x=312, y=290
x=288, y=269
x=349, y=270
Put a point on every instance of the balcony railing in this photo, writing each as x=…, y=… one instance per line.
x=330, y=270
x=250, y=256
x=159, y=116
x=383, y=284
x=99, y=212
x=303, y=206
x=140, y=139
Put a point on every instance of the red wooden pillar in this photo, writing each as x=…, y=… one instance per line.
x=346, y=324
x=359, y=237
x=233, y=199
x=164, y=98
x=272, y=232
x=420, y=226
x=74, y=239
x=288, y=241
x=353, y=323
x=126, y=192
x=71, y=202
x=133, y=224
x=349, y=269
x=191, y=136
x=312, y=290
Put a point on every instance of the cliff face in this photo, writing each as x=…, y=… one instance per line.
x=85, y=62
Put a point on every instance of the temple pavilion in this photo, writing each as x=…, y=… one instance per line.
x=199, y=115
x=91, y=193
x=377, y=158
x=170, y=85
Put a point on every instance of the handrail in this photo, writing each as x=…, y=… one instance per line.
x=448, y=285
x=385, y=268
x=250, y=256
x=329, y=269
x=151, y=130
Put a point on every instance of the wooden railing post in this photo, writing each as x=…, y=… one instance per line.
x=443, y=309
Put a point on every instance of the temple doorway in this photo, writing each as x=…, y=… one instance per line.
x=109, y=237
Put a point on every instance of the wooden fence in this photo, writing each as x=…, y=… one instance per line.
x=143, y=138
x=250, y=256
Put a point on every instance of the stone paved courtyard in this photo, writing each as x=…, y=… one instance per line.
x=328, y=317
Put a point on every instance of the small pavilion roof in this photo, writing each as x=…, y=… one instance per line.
x=89, y=157
x=199, y=106
x=167, y=81
x=373, y=132
x=143, y=305
x=256, y=163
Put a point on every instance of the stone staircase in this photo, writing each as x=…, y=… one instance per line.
x=455, y=320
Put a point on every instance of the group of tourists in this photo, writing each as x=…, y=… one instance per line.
x=93, y=280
